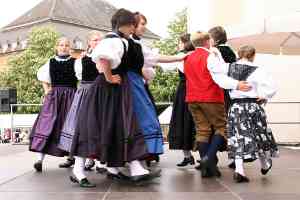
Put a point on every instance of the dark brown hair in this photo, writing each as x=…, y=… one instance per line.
x=218, y=34
x=187, y=43
x=247, y=52
x=138, y=16
x=122, y=17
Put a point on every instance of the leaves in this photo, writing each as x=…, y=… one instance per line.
x=164, y=85
x=21, y=73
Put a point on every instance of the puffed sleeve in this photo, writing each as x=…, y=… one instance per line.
x=218, y=70
x=150, y=56
x=43, y=73
x=111, y=49
x=266, y=86
x=78, y=68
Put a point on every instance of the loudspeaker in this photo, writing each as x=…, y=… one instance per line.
x=7, y=96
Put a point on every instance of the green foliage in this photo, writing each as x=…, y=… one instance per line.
x=164, y=85
x=176, y=28
x=21, y=73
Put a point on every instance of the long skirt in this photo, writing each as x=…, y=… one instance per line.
x=182, y=129
x=47, y=128
x=68, y=129
x=107, y=128
x=248, y=135
x=146, y=114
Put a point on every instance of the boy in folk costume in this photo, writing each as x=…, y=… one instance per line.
x=219, y=40
x=248, y=137
x=206, y=103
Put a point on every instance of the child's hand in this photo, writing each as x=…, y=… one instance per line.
x=244, y=86
x=262, y=101
x=115, y=79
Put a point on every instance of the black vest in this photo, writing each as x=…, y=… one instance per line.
x=124, y=65
x=89, y=70
x=227, y=54
x=135, y=56
x=240, y=72
x=62, y=73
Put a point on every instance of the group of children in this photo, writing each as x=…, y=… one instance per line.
x=232, y=119
x=111, y=118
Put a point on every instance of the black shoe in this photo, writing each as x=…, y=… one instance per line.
x=119, y=176
x=148, y=163
x=68, y=163
x=209, y=168
x=101, y=170
x=265, y=171
x=198, y=167
x=232, y=165
x=85, y=183
x=217, y=172
x=238, y=178
x=38, y=166
x=89, y=166
x=157, y=159
x=186, y=161
x=146, y=177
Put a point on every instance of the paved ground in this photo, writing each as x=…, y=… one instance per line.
x=19, y=181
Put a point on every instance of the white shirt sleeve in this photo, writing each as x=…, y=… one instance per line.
x=266, y=86
x=78, y=68
x=218, y=70
x=111, y=49
x=150, y=56
x=43, y=73
x=149, y=73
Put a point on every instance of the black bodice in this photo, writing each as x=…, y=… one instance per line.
x=89, y=70
x=240, y=72
x=62, y=73
x=227, y=54
x=135, y=56
x=124, y=65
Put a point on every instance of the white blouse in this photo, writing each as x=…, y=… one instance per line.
x=150, y=60
x=262, y=84
x=111, y=49
x=43, y=73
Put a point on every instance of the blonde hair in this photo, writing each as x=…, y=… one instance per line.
x=92, y=33
x=89, y=37
x=246, y=52
x=199, y=38
x=59, y=40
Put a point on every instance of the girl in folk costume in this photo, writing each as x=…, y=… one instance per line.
x=86, y=72
x=219, y=40
x=143, y=106
x=248, y=138
x=59, y=82
x=107, y=128
x=182, y=128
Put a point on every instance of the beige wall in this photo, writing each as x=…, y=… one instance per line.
x=284, y=110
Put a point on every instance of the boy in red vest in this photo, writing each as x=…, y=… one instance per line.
x=206, y=103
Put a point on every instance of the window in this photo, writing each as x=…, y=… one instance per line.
x=77, y=43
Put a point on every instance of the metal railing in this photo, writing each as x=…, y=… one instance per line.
x=12, y=117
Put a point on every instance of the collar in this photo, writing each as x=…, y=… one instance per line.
x=203, y=49
x=62, y=58
x=245, y=62
x=135, y=37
